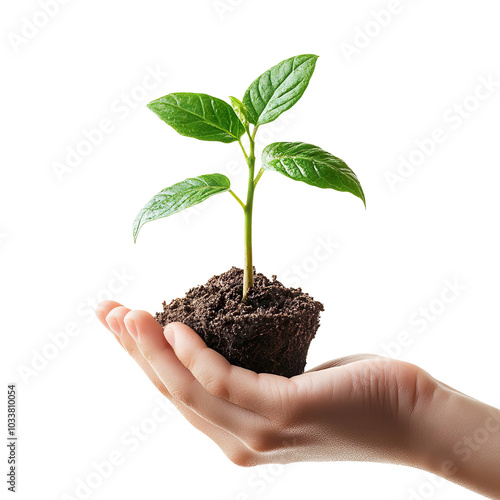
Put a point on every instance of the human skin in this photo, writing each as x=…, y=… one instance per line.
x=359, y=408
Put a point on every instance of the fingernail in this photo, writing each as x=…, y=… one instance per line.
x=114, y=325
x=132, y=328
x=170, y=335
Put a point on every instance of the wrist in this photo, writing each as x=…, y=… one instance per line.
x=430, y=434
x=458, y=438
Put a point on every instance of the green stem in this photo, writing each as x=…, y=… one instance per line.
x=255, y=132
x=243, y=149
x=248, y=269
x=259, y=175
x=237, y=198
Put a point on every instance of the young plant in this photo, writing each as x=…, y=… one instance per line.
x=210, y=119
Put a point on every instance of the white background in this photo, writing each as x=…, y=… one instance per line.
x=63, y=236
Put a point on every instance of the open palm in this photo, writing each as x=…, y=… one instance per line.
x=354, y=408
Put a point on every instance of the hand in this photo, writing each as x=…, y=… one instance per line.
x=363, y=408
x=354, y=408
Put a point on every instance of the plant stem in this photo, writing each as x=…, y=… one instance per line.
x=248, y=269
x=237, y=198
x=259, y=175
x=243, y=149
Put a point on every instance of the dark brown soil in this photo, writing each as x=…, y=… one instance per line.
x=269, y=333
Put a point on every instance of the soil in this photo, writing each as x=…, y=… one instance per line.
x=270, y=332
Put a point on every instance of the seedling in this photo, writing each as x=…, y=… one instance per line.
x=210, y=119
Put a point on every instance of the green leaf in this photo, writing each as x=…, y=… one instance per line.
x=279, y=88
x=200, y=116
x=310, y=164
x=180, y=196
x=240, y=109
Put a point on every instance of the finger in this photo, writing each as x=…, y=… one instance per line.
x=110, y=314
x=346, y=360
x=218, y=377
x=116, y=317
x=232, y=447
x=103, y=309
x=183, y=386
x=115, y=320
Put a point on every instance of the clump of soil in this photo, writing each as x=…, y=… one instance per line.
x=271, y=332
